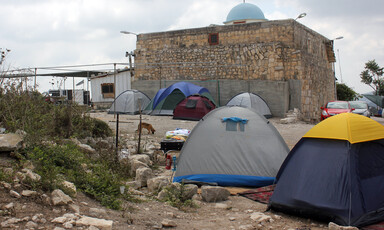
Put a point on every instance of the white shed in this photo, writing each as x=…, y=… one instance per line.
x=104, y=88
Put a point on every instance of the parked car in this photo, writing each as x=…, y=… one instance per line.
x=335, y=107
x=361, y=107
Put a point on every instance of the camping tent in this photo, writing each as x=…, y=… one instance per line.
x=232, y=146
x=335, y=173
x=129, y=102
x=166, y=99
x=251, y=100
x=193, y=107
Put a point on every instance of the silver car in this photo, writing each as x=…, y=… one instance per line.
x=360, y=107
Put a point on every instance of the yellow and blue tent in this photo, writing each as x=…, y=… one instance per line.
x=335, y=173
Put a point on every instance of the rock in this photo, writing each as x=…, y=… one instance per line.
x=142, y=175
x=10, y=223
x=189, y=191
x=58, y=228
x=214, y=193
x=14, y=194
x=46, y=199
x=246, y=227
x=97, y=212
x=10, y=142
x=133, y=184
x=9, y=206
x=136, y=165
x=86, y=148
x=333, y=226
x=28, y=193
x=221, y=206
x=168, y=223
x=99, y=223
x=68, y=225
x=69, y=188
x=157, y=183
x=103, y=144
x=261, y=218
x=135, y=192
x=60, y=198
x=31, y=224
x=59, y=220
x=232, y=218
x=74, y=208
x=141, y=157
x=6, y=185
x=31, y=175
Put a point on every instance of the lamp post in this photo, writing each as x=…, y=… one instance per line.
x=302, y=15
x=338, y=57
x=129, y=55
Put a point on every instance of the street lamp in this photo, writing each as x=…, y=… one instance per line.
x=302, y=15
x=127, y=32
x=129, y=55
x=338, y=57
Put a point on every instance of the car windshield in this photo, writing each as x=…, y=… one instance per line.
x=337, y=105
x=358, y=105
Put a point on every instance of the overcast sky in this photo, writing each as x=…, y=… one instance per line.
x=48, y=33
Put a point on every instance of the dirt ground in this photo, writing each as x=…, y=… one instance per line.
x=235, y=213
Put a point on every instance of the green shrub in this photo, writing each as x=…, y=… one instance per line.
x=174, y=196
x=57, y=162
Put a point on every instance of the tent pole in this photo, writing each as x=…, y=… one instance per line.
x=117, y=138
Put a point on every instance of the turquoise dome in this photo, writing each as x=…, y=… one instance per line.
x=245, y=11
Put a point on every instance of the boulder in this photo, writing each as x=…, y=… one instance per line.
x=141, y=157
x=104, y=144
x=99, y=223
x=214, y=193
x=28, y=193
x=10, y=142
x=60, y=198
x=142, y=175
x=167, y=223
x=135, y=164
x=157, y=183
x=69, y=187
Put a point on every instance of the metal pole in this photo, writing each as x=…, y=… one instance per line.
x=73, y=90
x=34, y=85
x=338, y=56
x=114, y=89
x=88, y=94
x=130, y=70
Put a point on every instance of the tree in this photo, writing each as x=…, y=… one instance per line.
x=373, y=76
x=344, y=93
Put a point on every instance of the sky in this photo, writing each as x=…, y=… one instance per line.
x=56, y=33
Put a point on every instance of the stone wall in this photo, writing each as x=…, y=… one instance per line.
x=268, y=51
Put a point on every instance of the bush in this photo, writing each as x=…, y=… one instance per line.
x=28, y=111
x=57, y=162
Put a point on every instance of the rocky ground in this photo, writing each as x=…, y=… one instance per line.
x=26, y=209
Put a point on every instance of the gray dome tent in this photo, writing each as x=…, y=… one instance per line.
x=253, y=101
x=232, y=146
x=129, y=102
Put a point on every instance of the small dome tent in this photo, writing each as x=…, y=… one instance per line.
x=193, y=107
x=251, y=100
x=335, y=173
x=232, y=146
x=129, y=102
x=166, y=99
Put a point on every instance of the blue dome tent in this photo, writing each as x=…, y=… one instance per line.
x=166, y=99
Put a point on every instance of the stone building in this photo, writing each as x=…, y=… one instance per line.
x=283, y=61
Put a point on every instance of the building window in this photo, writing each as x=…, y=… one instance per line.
x=213, y=39
x=108, y=90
